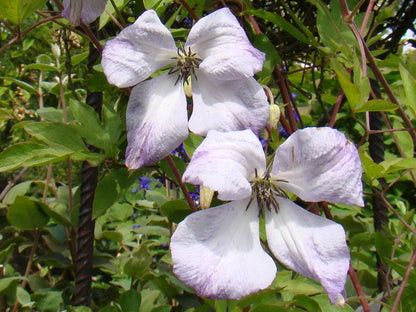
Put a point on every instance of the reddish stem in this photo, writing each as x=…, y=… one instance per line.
x=181, y=184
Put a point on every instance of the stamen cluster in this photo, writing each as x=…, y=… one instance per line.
x=266, y=193
x=187, y=61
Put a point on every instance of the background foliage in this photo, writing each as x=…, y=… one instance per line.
x=339, y=63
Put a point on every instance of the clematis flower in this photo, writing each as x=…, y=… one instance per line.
x=82, y=11
x=217, y=58
x=217, y=251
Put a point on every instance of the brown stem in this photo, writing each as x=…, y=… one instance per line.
x=403, y=284
x=20, y=35
x=181, y=184
x=189, y=9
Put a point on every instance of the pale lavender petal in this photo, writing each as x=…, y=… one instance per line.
x=217, y=252
x=320, y=164
x=310, y=245
x=138, y=51
x=223, y=45
x=227, y=105
x=82, y=11
x=156, y=120
x=225, y=162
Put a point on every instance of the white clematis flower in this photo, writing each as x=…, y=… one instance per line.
x=217, y=251
x=219, y=59
x=82, y=11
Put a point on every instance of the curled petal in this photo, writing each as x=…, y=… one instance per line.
x=156, y=120
x=228, y=105
x=220, y=41
x=82, y=11
x=320, y=164
x=310, y=245
x=217, y=252
x=138, y=51
x=225, y=161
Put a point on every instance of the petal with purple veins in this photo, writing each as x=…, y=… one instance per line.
x=220, y=41
x=139, y=50
x=320, y=164
x=217, y=252
x=310, y=245
x=227, y=105
x=156, y=121
x=225, y=162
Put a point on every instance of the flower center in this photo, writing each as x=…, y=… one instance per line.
x=186, y=62
x=266, y=193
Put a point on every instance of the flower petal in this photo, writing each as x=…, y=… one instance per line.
x=227, y=105
x=156, y=120
x=310, y=245
x=225, y=161
x=320, y=164
x=138, y=51
x=217, y=252
x=220, y=41
x=82, y=11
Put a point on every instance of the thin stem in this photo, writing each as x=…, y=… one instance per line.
x=92, y=37
x=403, y=284
x=358, y=288
x=181, y=184
x=20, y=35
x=115, y=21
x=123, y=22
x=189, y=9
x=13, y=182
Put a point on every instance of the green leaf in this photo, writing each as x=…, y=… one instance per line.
x=5, y=115
x=18, y=189
x=111, y=188
x=23, y=297
x=27, y=214
x=175, y=210
x=139, y=263
x=113, y=235
x=351, y=91
x=42, y=67
x=89, y=125
x=376, y=106
x=130, y=301
x=53, y=114
x=307, y=303
x=383, y=244
x=78, y=58
x=20, y=83
x=7, y=282
x=113, y=126
x=263, y=43
x=56, y=134
x=279, y=21
x=28, y=154
x=17, y=10
x=409, y=84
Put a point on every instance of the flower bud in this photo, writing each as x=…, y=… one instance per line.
x=56, y=50
x=188, y=87
x=205, y=197
x=274, y=115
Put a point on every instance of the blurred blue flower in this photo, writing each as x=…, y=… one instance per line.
x=135, y=215
x=134, y=190
x=263, y=141
x=136, y=226
x=145, y=183
x=180, y=152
